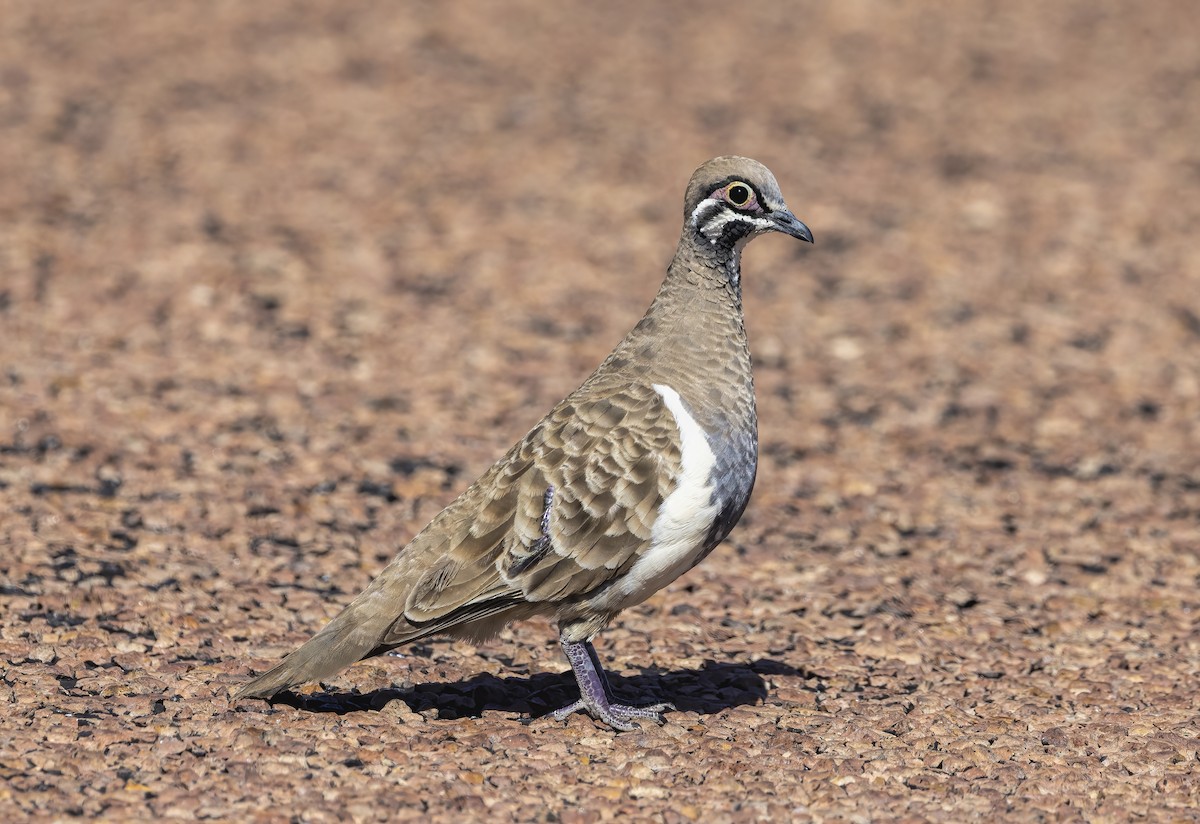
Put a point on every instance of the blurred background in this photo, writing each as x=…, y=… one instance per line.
x=277, y=279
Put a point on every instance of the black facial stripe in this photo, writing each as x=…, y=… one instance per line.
x=732, y=224
x=735, y=230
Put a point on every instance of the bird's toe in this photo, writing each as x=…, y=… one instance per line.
x=620, y=717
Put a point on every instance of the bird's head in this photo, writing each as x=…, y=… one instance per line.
x=731, y=199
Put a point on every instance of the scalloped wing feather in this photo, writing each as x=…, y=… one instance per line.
x=611, y=461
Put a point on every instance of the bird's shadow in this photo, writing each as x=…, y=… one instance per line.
x=710, y=689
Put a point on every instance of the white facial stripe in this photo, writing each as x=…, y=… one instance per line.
x=704, y=206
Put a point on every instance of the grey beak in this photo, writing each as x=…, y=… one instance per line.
x=789, y=224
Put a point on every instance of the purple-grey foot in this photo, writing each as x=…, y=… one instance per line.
x=594, y=694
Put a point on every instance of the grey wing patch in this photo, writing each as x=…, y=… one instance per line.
x=539, y=548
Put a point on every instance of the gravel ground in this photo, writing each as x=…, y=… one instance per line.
x=277, y=279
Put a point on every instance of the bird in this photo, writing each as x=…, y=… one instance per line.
x=627, y=483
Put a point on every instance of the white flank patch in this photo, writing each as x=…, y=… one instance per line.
x=684, y=518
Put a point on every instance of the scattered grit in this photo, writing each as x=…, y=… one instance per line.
x=277, y=280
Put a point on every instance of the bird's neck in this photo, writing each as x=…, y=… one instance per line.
x=702, y=293
x=693, y=336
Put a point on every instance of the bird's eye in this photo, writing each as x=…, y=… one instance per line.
x=739, y=194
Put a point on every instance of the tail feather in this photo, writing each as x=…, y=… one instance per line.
x=376, y=620
x=353, y=635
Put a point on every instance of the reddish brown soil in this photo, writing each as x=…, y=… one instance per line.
x=278, y=278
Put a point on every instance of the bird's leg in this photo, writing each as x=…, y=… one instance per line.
x=594, y=694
